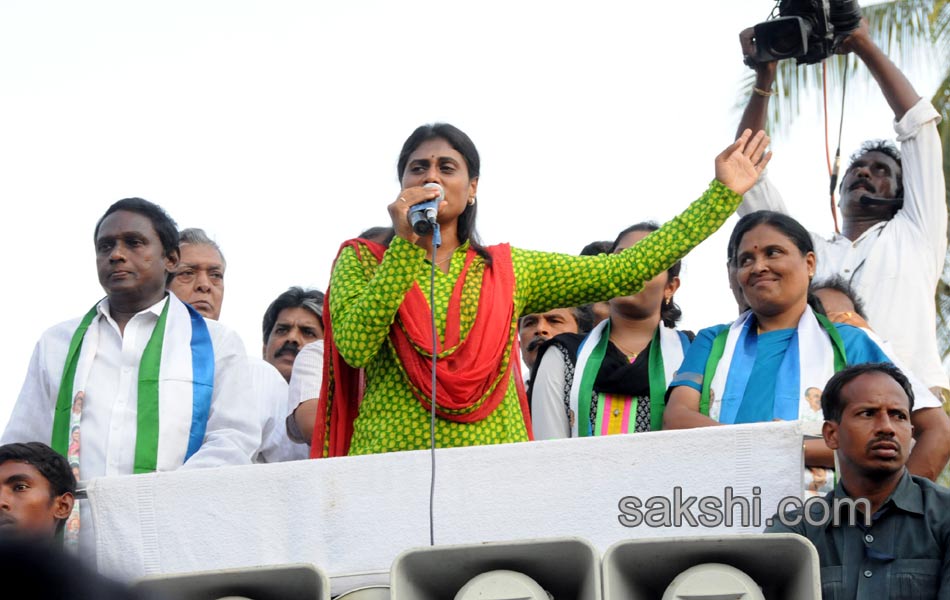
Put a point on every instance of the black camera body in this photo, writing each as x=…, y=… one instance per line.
x=807, y=30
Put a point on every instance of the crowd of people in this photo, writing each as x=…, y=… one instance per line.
x=149, y=380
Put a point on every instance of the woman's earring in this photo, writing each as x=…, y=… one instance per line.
x=471, y=201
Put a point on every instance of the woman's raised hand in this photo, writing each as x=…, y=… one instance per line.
x=738, y=167
x=399, y=209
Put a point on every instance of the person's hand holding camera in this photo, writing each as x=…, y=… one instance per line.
x=764, y=71
x=857, y=40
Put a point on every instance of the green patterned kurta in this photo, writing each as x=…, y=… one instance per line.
x=366, y=297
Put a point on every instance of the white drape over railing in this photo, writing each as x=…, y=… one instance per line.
x=351, y=516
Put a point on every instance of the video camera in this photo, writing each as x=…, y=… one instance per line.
x=807, y=30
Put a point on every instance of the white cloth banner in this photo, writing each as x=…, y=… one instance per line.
x=352, y=516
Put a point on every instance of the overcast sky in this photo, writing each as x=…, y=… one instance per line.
x=276, y=125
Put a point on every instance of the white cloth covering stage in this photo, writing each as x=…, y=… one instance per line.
x=352, y=516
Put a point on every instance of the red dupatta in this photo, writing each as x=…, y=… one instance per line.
x=472, y=374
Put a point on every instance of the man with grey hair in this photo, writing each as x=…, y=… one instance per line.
x=199, y=281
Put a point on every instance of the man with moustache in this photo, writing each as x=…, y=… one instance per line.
x=292, y=321
x=893, y=204
x=892, y=535
x=536, y=328
x=199, y=281
x=147, y=383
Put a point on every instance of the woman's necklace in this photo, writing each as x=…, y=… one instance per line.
x=626, y=351
x=442, y=260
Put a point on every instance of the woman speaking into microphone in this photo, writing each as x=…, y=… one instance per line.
x=378, y=382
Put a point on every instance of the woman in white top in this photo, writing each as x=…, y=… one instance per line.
x=613, y=380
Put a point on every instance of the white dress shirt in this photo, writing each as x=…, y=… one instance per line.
x=110, y=406
x=272, y=392
x=109, y=427
x=894, y=266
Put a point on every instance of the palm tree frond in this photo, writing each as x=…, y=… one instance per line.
x=940, y=26
x=902, y=29
x=941, y=101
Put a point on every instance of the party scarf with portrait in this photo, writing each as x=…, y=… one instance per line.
x=164, y=377
x=733, y=355
x=666, y=354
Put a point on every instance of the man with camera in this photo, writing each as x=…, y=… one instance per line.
x=894, y=234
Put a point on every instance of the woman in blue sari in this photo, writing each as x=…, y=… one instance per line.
x=763, y=366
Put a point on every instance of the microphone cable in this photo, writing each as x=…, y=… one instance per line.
x=833, y=171
x=436, y=244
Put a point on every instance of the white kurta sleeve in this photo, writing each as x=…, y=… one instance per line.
x=271, y=391
x=925, y=205
x=306, y=376
x=923, y=397
x=762, y=196
x=32, y=416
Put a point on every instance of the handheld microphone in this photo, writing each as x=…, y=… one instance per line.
x=896, y=203
x=422, y=216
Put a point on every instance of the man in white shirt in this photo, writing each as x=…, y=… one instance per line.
x=894, y=233
x=199, y=281
x=141, y=383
